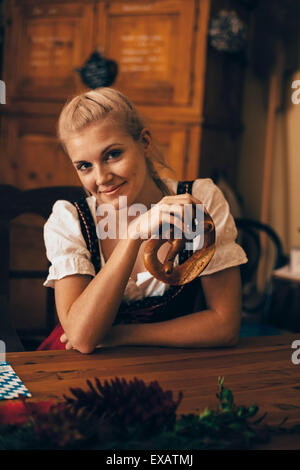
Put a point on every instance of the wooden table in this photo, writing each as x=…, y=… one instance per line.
x=258, y=370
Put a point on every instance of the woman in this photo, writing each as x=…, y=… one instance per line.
x=113, y=154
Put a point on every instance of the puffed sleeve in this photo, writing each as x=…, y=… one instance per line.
x=65, y=246
x=228, y=253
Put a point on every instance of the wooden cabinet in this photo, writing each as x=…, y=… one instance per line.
x=165, y=67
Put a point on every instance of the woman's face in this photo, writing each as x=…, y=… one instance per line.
x=110, y=163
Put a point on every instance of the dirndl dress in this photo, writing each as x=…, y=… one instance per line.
x=176, y=301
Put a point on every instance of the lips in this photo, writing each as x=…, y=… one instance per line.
x=112, y=189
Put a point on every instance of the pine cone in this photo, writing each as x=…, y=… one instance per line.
x=126, y=407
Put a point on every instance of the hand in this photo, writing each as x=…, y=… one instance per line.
x=65, y=340
x=170, y=210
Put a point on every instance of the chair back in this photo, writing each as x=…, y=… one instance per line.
x=249, y=237
x=13, y=203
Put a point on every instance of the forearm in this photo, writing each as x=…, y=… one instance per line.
x=202, y=329
x=93, y=312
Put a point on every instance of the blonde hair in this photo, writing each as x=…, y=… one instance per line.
x=108, y=103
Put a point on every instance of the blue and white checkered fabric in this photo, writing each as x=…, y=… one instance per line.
x=11, y=386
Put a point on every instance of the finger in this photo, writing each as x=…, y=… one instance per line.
x=68, y=346
x=63, y=338
x=185, y=207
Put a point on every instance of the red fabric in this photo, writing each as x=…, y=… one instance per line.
x=19, y=412
x=53, y=340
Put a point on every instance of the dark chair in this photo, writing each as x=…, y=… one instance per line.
x=249, y=237
x=14, y=203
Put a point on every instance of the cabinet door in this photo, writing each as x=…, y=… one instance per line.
x=171, y=141
x=33, y=157
x=48, y=41
x=152, y=43
x=179, y=144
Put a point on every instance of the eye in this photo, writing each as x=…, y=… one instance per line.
x=82, y=166
x=113, y=154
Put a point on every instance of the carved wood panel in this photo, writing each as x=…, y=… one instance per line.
x=47, y=45
x=153, y=44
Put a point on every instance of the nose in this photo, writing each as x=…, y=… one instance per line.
x=103, y=176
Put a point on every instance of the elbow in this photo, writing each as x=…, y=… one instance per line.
x=230, y=337
x=82, y=338
x=231, y=340
x=229, y=332
x=82, y=344
x=84, y=348
x=86, y=341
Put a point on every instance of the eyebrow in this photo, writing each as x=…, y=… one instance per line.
x=102, y=153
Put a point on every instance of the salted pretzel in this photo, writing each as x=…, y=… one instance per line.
x=186, y=272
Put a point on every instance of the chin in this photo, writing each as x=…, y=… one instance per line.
x=115, y=203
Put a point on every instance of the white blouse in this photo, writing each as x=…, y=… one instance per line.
x=68, y=254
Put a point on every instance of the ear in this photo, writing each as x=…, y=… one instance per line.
x=146, y=140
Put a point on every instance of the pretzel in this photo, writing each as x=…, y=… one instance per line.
x=189, y=269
